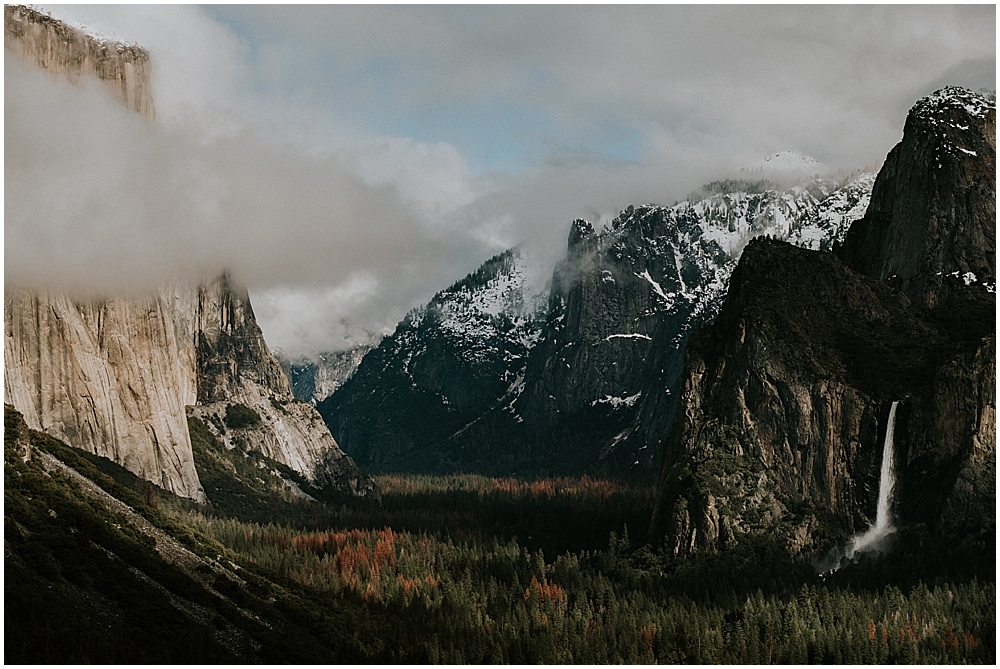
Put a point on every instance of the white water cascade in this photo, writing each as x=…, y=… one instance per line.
x=872, y=538
x=883, y=515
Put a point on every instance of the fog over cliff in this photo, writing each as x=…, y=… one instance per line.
x=347, y=162
x=100, y=200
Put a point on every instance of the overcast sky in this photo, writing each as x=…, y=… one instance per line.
x=346, y=162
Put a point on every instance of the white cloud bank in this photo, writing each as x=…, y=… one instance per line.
x=322, y=153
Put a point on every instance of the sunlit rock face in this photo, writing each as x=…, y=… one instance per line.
x=235, y=367
x=64, y=51
x=118, y=377
x=110, y=377
x=786, y=395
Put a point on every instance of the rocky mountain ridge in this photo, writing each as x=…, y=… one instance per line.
x=640, y=286
x=577, y=377
x=934, y=203
x=444, y=366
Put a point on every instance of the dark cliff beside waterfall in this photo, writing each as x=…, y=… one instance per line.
x=786, y=395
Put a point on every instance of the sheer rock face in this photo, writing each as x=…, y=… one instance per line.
x=65, y=51
x=785, y=402
x=110, y=377
x=786, y=395
x=933, y=207
x=116, y=377
x=603, y=309
x=948, y=474
x=234, y=363
x=235, y=366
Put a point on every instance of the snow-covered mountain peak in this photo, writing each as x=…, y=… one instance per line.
x=499, y=286
x=814, y=213
x=496, y=308
x=784, y=165
x=945, y=102
x=495, y=363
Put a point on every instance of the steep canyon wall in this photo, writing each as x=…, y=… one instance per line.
x=111, y=377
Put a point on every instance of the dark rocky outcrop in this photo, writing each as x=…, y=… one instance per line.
x=608, y=295
x=601, y=386
x=446, y=364
x=786, y=395
x=933, y=206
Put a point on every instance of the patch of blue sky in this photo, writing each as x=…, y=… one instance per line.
x=381, y=96
x=493, y=135
x=497, y=135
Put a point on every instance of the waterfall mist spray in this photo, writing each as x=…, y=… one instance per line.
x=873, y=538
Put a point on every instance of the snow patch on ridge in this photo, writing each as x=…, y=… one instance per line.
x=940, y=103
x=617, y=402
x=628, y=336
x=656, y=286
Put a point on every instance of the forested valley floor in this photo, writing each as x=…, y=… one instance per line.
x=454, y=569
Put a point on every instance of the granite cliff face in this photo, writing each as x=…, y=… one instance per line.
x=234, y=363
x=65, y=51
x=933, y=207
x=786, y=395
x=235, y=368
x=118, y=377
x=110, y=377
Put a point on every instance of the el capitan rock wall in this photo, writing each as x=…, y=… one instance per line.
x=117, y=377
x=65, y=51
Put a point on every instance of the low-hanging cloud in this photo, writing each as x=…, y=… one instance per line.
x=100, y=201
x=281, y=148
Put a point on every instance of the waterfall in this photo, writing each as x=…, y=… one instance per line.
x=883, y=515
x=871, y=539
